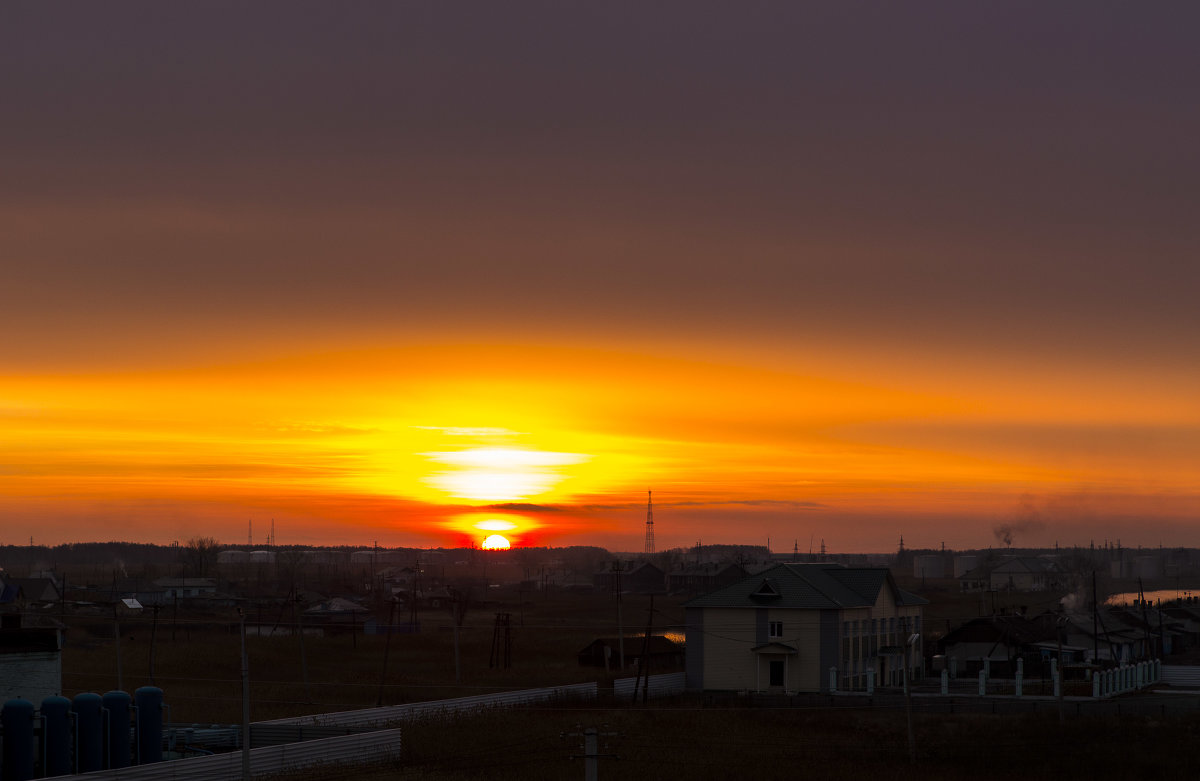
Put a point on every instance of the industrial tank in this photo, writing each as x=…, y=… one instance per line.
x=89, y=732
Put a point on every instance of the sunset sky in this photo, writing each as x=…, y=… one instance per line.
x=420, y=272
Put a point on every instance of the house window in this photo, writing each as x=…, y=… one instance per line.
x=775, y=630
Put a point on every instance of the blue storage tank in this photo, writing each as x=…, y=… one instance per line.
x=56, y=735
x=119, y=723
x=149, y=703
x=89, y=732
x=17, y=719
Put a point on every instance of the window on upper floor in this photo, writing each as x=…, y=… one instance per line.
x=775, y=630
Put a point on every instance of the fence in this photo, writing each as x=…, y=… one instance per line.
x=1187, y=677
x=1126, y=678
x=365, y=747
x=378, y=717
x=664, y=685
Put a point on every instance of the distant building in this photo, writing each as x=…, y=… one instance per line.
x=998, y=640
x=640, y=578
x=703, y=578
x=40, y=589
x=783, y=629
x=1026, y=573
x=929, y=565
x=185, y=588
x=30, y=659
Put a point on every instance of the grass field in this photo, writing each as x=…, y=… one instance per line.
x=197, y=659
x=683, y=739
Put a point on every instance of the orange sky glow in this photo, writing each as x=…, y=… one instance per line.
x=448, y=444
x=420, y=274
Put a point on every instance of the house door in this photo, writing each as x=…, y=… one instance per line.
x=776, y=668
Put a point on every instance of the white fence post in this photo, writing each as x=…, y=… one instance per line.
x=945, y=681
x=832, y=680
x=982, y=683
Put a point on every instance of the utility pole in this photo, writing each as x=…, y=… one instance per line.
x=387, y=647
x=616, y=568
x=117, y=637
x=1095, y=623
x=299, y=614
x=153, y=637
x=245, y=703
x=644, y=662
x=460, y=611
x=912, y=738
x=502, y=642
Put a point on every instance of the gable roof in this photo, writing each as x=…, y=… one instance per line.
x=808, y=587
x=1027, y=564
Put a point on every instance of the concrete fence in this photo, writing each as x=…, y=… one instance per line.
x=390, y=714
x=664, y=685
x=1183, y=676
x=366, y=747
x=1108, y=683
x=1126, y=678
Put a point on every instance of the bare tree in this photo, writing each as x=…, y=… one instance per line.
x=200, y=554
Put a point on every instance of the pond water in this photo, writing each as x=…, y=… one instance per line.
x=1153, y=597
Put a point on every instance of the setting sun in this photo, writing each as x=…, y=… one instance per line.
x=495, y=542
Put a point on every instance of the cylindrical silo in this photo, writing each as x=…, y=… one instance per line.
x=17, y=719
x=964, y=564
x=149, y=702
x=116, y=704
x=56, y=735
x=89, y=732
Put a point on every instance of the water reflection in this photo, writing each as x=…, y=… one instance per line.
x=1153, y=597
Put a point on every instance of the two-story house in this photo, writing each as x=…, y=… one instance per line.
x=783, y=630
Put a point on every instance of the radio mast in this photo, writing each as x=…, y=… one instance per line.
x=649, y=522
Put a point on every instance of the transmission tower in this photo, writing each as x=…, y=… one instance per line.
x=649, y=522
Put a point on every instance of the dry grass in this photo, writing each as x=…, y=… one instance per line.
x=200, y=669
x=686, y=740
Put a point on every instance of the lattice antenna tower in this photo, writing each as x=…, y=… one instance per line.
x=649, y=522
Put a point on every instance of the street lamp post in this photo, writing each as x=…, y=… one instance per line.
x=913, y=639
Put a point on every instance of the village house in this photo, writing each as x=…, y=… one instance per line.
x=999, y=641
x=635, y=577
x=1026, y=573
x=662, y=653
x=782, y=631
x=702, y=578
x=30, y=657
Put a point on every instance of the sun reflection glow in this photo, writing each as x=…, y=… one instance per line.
x=496, y=474
x=495, y=525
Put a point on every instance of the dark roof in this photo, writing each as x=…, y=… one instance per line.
x=1027, y=564
x=633, y=645
x=1011, y=629
x=29, y=639
x=808, y=587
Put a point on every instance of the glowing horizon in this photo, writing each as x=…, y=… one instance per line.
x=547, y=460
